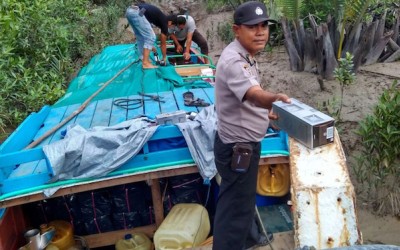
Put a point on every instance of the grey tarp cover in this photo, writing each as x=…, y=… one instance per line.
x=100, y=150
x=199, y=135
x=97, y=151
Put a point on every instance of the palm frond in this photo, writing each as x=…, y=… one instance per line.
x=355, y=9
x=339, y=7
x=289, y=8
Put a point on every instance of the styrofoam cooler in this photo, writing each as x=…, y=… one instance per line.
x=186, y=225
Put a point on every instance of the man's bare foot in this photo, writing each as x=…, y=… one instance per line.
x=148, y=66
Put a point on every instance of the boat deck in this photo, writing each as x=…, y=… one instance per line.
x=27, y=171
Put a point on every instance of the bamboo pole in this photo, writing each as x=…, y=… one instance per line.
x=79, y=110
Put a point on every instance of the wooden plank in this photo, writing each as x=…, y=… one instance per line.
x=84, y=119
x=25, y=132
x=54, y=117
x=151, y=107
x=110, y=238
x=210, y=92
x=169, y=105
x=135, y=110
x=101, y=183
x=190, y=70
x=157, y=202
x=119, y=180
x=101, y=116
x=118, y=114
x=57, y=135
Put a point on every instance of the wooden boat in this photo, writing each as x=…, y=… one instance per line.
x=25, y=172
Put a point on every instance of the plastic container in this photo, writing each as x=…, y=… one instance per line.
x=136, y=241
x=186, y=225
x=64, y=237
x=273, y=180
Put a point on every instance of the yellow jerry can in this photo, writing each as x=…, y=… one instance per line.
x=273, y=180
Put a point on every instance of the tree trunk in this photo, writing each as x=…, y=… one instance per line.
x=394, y=57
x=376, y=51
x=380, y=29
x=396, y=35
x=329, y=56
x=352, y=39
x=310, y=49
x=362, y=48
x=333, y=33
x=393, y=45
x=296, y=64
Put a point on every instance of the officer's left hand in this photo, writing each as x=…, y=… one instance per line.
x=272, y=115
x=283, y=98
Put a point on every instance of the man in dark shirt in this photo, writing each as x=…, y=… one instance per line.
x=140, y=17
x=156, y=17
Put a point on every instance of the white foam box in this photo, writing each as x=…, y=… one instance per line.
x=323, y=197
x=304, y=123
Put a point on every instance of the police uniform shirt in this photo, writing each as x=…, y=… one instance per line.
x=238, y=120
x=190, y=26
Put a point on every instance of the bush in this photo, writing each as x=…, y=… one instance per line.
x=41, y=43
x=378, y=166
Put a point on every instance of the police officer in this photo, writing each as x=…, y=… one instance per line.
x=243, y=110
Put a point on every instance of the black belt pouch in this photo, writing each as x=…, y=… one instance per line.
x=241, y=157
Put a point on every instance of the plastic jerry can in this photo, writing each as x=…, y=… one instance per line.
x=64, y=235
x=186, y=225
x=273, y=180
x=136, y=241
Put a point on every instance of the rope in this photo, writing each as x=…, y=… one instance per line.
x=79, y=110
x=129, y=103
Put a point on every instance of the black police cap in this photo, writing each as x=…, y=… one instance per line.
x=250, y=13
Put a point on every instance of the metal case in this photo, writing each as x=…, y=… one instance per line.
x=309, y=126
x=171, y=118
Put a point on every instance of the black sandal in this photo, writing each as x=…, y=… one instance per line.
x=189, y=100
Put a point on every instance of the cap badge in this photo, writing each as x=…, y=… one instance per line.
x=259, y=11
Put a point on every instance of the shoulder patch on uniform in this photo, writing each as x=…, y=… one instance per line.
x=246, y=70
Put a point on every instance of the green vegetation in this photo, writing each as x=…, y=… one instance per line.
x=42, y=43
x=345, y=75
x=214, y=5
x=378, y=166
x=225, y=32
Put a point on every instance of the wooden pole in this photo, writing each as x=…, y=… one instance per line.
x=79, y=110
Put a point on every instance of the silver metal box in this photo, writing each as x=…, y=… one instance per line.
x=309, y=126
x=171, y=118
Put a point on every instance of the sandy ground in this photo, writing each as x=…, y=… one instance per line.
x=359, y=100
